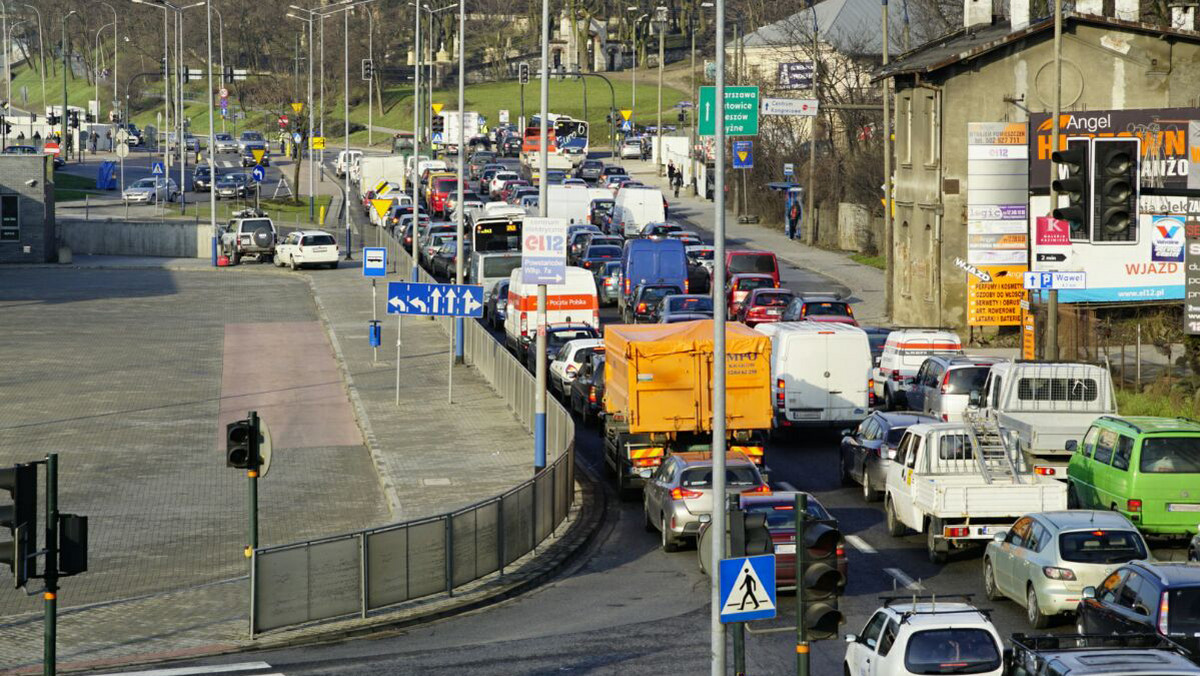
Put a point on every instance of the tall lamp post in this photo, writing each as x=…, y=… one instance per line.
x=62, y=120
x=661, y=20
x=42, y=53
x=116, y=52
x=221, y=49
x=311, y=123
x=97, y=79
x=462, y=173
x=633, y=83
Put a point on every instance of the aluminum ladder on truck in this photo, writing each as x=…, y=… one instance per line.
x=992, y=452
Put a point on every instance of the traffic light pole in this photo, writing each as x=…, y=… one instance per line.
x=1051, y=348
x=50, y=595
x=252, y=476
x=801, y=511
x=737, y=548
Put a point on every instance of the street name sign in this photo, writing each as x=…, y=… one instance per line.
x=1045, y=281
x=741, y=111
x=803, y=107
x=544, y=250
x=447, y=300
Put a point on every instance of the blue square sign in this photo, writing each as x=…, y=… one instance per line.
x=374, y=261
x=747, y=588
x=743, y=154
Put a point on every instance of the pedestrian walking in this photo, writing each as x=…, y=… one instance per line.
x=37, y=137
x=95, y=138
x=678, y=181
x=20, y=136
x=671, y=172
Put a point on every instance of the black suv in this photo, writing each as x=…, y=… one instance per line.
x=1084, y=655
x=201, y=179
x=1142, y=597
x=511, y=146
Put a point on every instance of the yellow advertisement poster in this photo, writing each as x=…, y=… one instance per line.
x=997, y=301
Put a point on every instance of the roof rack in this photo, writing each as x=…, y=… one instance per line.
x=933, y=610
x=1122, y=421
x=1083, y=641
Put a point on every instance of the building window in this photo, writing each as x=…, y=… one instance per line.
x=929, y=257
x=10, y=220
x=931, y=106
x=906, y=104
x=904, y=249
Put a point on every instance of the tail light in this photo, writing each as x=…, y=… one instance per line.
x=849, y=311
x=1065, y=574
x=897, y=376
x=684, y=494
x=841, y=550
x=1042, y=470
x=595, y=318
x=1133, y=505
x=641, y=307
x=779, y=394
x=1163, y=608
x=571, y=368
x=626, y=285
x=685, y=286
x=956, y=531
x=945, y=382
x=761, y=489
x=592, y=394
x=524, y=325
x=945, y=417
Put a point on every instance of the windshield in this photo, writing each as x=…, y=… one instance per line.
x=780, y=299
x=1171, y=455
x=783, y=516
x=964, y=380
x=144, y=183
x=894, y=435
x=251, y=136
x=654, y=294
x=764, y=263
x=826, y=309
x=701, y=477
x=602, y=207
x=697, y=304
x=500, y=266
x=1101, y=546
x=951, y=651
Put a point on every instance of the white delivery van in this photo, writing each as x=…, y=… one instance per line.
x=568, y=201
x=635, y=207
x=820, y=373
x=903, y=354
x=572, y=301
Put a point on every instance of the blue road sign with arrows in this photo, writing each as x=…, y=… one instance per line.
x=419, y=298
x=258, y=174
x=747, y=588
x=157, y=169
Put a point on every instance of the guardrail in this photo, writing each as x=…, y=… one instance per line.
x=358, y=572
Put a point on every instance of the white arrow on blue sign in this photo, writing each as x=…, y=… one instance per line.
x=437, y=137
x=258, y=174
x=157, y=169
x=1055, y=280
x=449, y=300
x=374, y=261
x=747, y=588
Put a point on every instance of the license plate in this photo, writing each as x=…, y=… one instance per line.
x=1183, y=507
x=774, y=312
x=320, y=249
x=806, y=415
x=785, y=549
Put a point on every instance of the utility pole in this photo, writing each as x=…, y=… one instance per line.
x=371, y=81
x=662, y=28
x=812, y=137
x=212, y=127
x=1051, y=346
x=716, y=629
x=539, y=401
x=346, y=131
x=416, y=145
x=462, y=172
x=888, y=234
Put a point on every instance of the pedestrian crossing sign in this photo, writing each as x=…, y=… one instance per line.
x=747, y=588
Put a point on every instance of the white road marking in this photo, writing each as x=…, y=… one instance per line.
x=903, y=578
x=189, y=671
x=860, y=544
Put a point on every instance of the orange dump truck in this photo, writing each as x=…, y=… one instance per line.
x=658, y=394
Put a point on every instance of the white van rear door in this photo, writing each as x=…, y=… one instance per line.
x=849, y=364
x=807, y=396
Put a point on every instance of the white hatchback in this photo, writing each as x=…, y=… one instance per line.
x=907, y=637
x=566, y=363
x=307, y=248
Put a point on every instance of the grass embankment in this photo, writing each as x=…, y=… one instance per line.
x=873, y=261
x=283, y=210
x=69, y=187
x=1156, y=402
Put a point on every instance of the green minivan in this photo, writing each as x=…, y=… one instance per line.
x=1145, y=468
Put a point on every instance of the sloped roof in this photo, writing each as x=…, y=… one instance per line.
x=849, y=26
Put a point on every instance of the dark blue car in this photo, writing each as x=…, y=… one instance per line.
x=866, y=451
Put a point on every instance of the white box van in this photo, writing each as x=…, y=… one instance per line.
x=568, y=201
x=572, y=301
x=820, y=373
x=635, y=207
x=903, y=354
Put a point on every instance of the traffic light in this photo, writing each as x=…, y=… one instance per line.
x=817, y=570
x=239, y=439
x=20, y=518
x=1075, y=186
x=523, y=72
x=748, y=533
x=72, y=544
x=438, y=124
x=1115, y=185
x=162, y=66
x=52, y=120
x=74, y=119
x=368, y=69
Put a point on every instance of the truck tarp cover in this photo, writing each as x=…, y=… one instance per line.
x=660, y=376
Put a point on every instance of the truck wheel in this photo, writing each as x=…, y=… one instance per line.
x=894, y=527
x=620, y=482
x=989, y=582
x=937, y=549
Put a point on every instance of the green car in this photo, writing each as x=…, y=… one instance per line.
x=1147, y=469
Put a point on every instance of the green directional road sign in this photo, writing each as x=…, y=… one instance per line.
x=741, y=111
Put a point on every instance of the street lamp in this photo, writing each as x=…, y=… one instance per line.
x=661, y=20
x=42, y=52
x=695, y=77
x=63, y=119
x=166, y=84
x=311, y=171
x=97, y=78
x=116, y=51
x=633, y=85
x=221, y=43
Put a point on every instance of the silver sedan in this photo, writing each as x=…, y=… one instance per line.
x=677, y=498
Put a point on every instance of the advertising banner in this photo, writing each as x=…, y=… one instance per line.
x=997, y=222
x=996, y=302
x=1191, y=301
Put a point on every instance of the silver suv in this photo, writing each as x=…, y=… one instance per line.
x=943, y=385
x=249, y=233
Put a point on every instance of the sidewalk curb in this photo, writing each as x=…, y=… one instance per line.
x=559, y=557
x=360, y=411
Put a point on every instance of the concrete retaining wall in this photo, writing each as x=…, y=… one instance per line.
x=854, y=227
x=120, y=238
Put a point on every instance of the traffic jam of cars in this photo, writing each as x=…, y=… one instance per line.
x=1026, y=467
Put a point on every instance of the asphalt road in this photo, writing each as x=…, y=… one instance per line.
x=627, y=607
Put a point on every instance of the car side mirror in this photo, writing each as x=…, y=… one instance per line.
x=847, y=432
x=1071, y=445
x=1089, y=592
x=851, y=638
x=974, y=398
x=1000, y=536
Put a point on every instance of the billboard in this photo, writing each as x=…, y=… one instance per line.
x=997, y=221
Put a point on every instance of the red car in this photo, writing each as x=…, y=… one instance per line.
x=763, y=306
x=820, y=309
x=740, y=286
x=440, y=193
x=510, y=187
x=780, y=509
x=759, y=262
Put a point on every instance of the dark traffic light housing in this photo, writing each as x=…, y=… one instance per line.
x=1116, y=169
x=748, y=532
x=20, y=518
x=817, y=571
x=239, y=441
x=1076, y=186
x=523, y=72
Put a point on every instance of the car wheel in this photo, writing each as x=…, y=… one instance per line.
x=933, y=547
x=668, y=542
x=869, y=494
x=1036, y=619
x=894, y=527
x=292, y=262
x=1193, y=555
x=990, y=590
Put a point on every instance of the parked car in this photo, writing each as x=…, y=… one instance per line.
x=819, y=308
x=683, y=308
x=1142, y=597
x=151, y=191
x=763, y=306
x=1044, y=560
x=564, y=367
x=249, y=233
x=924, y=637
x=307, y=247
x=867, y=451
x=679, y=493
x=587, y=390
x=1147, y=469
x=739, y=286
x=944, y=383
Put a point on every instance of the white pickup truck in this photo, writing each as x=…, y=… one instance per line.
x=1045, y=405
x=946, y=484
